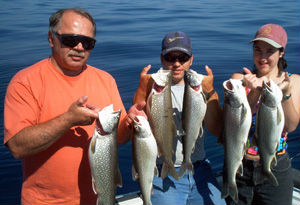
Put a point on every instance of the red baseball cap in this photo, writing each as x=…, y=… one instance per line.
x=272, y=34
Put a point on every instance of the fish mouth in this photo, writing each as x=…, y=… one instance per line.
x=267, y=85
x=193, y=78
x=136, y=123
x=99, y=128
x=232, y=84
x=107, y=119
x=158, y=88
x=162, y=77
x=228, y=87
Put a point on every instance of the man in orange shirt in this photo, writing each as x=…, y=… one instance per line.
x=49, y=114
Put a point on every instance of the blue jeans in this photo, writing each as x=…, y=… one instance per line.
x=200, y=188
x=263, y=194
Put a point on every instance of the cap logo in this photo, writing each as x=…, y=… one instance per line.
x=170, y=40
x=267, y=30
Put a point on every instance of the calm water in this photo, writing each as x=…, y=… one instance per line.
x=129, y=37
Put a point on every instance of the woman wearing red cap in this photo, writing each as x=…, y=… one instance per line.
x=268, y=56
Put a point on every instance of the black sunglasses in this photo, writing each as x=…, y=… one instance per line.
x=72, y=40
x=182, y=58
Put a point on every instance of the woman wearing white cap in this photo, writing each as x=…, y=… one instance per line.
x=268, y=55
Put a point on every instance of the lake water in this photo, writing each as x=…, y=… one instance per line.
x=129, y=37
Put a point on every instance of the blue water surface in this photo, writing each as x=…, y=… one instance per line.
x=129, y=35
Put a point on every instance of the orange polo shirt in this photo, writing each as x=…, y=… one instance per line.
x=61, y=174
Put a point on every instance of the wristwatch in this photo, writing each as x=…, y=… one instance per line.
x=208, y=95
x=286, y=97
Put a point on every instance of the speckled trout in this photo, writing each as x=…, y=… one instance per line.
x=193, y=112
x=103, y=156
x=268, y=129
x=160, y=113
x=237, y=122
x=144, y=149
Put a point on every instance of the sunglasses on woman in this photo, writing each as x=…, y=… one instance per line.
x=72, y=40
x=182, y=58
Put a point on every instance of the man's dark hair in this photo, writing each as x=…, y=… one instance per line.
x=56, y=17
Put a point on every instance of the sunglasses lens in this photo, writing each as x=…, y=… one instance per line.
x=88, y=43
x=72, y=40
x=69, y=41
x=182, y=58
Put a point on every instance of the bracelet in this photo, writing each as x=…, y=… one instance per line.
x=208, y=95
x=286, y=97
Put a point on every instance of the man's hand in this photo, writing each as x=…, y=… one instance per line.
x=251, y=81
x=79, y=114
x=208, y=80
x=145, y=86
x=285, y=84
x=135, y=110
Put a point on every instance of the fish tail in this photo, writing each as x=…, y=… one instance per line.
x=272, y=179
x=225, y=188
x=230, y=190
x=184, y=167
x=266, y=175
x=147, y=203
x=167, y=169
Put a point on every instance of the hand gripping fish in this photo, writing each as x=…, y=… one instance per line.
x=237, y=122
x=103, y=156
x=194, y=109
x=160, y=113
x=268, y=129
x=144, y=150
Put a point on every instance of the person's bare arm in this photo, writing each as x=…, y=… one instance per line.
x=36, y=138
x=145, y=86
x=291, y=106
x=213, y=119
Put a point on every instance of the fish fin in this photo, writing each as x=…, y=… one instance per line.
x=173, y=172
x=240, y=169
x=134, y=173
x=266, y=175
x=200, y=132
x=155, y=171
x=225, y=191
x=231, y=191
x=204, y=97
x=279, y=117
x=93, y=146
x=119, y=179
x=244, y=149
x=182, y=170
x=274, y=161
x=166, y=170
x=243, y=113
x=159, y=152
x=94, y=185
x=184, y=167
x=272, y=179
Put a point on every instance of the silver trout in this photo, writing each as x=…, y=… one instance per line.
x=144, y=150
x=103, y=156
x=268, y=129
x=237, y=123
x=193, y=112
x=160, y=113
